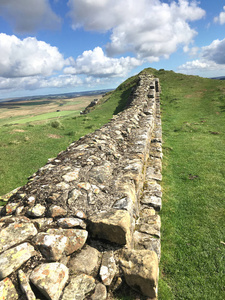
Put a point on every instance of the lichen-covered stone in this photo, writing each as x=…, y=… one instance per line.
x=36, y=211
x=7, y=290
x=80, y=214
x=50, y=279
x=12, y=259
x=43, y=222
x=86, y=261
x=16, y=233
x=71, y=176
x=52, y=246
x=11, y=207
x=25, y=286
x=153, y=201
x=150, y=225
x=114, y=226
x=140, y=268
x=76, y=238
x=55, y=211
x=108, y=268
x=71, y=222
x=100, y=292
x=79, y=287
x=147, y=241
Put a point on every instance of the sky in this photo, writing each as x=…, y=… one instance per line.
x=59, y=46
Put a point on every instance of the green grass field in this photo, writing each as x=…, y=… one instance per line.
x=193, y=214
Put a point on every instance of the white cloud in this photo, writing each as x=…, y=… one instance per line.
x=221, y=18
x=28, y=57
x=39, y=82
x=95, y=63
x=150, y=29
x=212, y=58
x=27, y=16
x=215, y=51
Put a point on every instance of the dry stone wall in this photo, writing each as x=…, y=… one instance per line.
x=87, y=220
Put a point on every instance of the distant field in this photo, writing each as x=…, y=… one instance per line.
x=21, y=112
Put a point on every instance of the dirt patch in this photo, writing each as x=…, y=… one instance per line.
x=54, y=136
x=17, y=130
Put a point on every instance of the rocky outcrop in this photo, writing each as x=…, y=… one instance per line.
x=88, y=219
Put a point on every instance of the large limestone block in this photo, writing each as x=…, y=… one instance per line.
x=114, y=226
x=50, y=279
x=13, y=258
x=16, y=233
x=140, y=269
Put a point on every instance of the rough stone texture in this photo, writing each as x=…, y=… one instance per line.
x=7, y=290
x=95, y=199
x=100, y=292
x=79, y=287
x=114, y=226
x=76, y=238
x=71, y=222
x=140, y=269
x=51, y=246
x=87, y=261
x=25, y=286
x=108, y=268
x=36, y=211
x=55, y=211
x=50, y=279
x=13, y=258
x=16, y=233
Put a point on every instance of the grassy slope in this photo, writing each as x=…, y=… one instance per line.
x=193, y=215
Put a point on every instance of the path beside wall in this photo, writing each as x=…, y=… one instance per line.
x=87, y=220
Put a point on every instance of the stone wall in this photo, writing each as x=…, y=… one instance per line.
x=87, y=221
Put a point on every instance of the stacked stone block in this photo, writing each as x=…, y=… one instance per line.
x=87, y=220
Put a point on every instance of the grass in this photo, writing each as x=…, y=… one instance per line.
x=46, y=116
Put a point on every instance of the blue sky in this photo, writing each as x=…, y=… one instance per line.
x=58, y=46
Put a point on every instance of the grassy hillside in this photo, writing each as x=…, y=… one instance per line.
x=193, y=214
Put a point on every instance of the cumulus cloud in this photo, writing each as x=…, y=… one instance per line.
x=221, y=18
x=215, y=51
x=97, y=64
x=38, y=82
x=28, y=57
x=212, y=58
x=150, y=29
x=27, y=16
